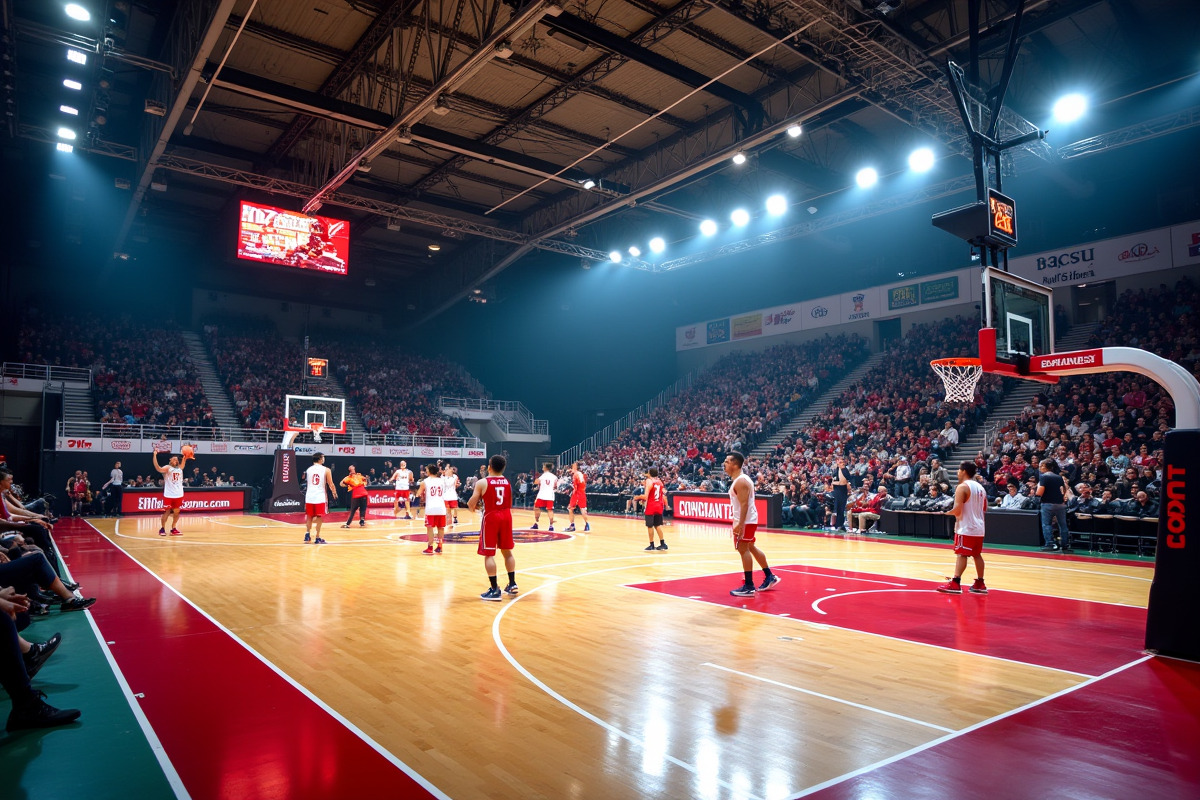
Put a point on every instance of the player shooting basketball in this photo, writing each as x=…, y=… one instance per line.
x=172, y=489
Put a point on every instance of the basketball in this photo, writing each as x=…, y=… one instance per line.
x=188, y=451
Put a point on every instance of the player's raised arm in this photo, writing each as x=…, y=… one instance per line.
x=154, y=457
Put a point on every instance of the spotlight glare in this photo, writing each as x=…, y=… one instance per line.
x=76, y=57
x=866, y=177
x=434, y=247
x=589, y=184
x=795, y=131
x=76, y=11
x=635, y=251
x=708, y=227
x=921, y=160
x=68, y=110
x=66, y=133
x=740, y=217
x=615, y=256
x=63, y=147
x=1070, y=107
x=657, y=245
x=739, y=158
x=70, y=84
x=777, y=205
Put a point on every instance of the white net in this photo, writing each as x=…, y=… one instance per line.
x=316, y=429
x=960, y=375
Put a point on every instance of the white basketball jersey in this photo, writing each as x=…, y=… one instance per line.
x=314, y=481
x=752, y=510
x=451, y=487
x=435, y=496
x=403, y=478
x=546, y=483
x=173, y=482
x=971, y=521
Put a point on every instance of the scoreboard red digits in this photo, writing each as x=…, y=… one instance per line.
x=1002, y=218
x=318, y=368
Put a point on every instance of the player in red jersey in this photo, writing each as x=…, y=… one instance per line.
x=495, y=493
x=578, y=498
x=654, y=494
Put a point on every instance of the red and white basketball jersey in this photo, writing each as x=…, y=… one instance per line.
x=435, y=496
x=497, y=496
x=314, y=482
x=173, y=482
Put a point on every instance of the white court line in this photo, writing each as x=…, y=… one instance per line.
x=816, y=605
x=632, y=739
x=836, y=577
x=542, y=575
x=831, y=697
x=374, y=745
x=825, y=626
x=963, y=732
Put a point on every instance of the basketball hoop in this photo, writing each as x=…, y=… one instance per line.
x=316, y=428
x=960, y=376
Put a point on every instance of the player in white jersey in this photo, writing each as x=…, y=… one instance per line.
x=172, y=491
x=450, y=477
x=970, y=504
x=745, y=524
x=433, y=489
x=545, y=495
x=402, y=478
x=317, y=480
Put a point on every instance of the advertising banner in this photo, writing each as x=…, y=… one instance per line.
x=820, y=313
x=857, y=306
x=717, y=331
x=381, y=497
x=137, y=501
x=1097, y=261
x=905, y=296
x=452, y=452
x=747, y=326
x=1185, y=244
x=781, y=319
x=715, y=507
x=286, y=493
x=937, y=291
x=1171, y=627
x=689, y=337
x=476, y=452
x=291, y=239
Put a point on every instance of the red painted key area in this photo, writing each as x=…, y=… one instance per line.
x=231, y=726
x=1073, y=635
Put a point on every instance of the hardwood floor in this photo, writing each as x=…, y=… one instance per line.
x=622, y=673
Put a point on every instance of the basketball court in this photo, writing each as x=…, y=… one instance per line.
x=325, y=670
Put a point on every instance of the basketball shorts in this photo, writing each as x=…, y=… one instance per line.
x=546, y=504
x=497, y=533
x=402, y=494
x=967, y=545
x=314, y=509
x=451, y=504
x=435, y=520
x=578, y=501
x=172, y=502
x=654, y=520
x=748, y=531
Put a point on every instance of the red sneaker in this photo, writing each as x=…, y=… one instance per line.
x=176, y=532
x=428, y=551
x=978, y=587
x=438, y=549
x=950, y=587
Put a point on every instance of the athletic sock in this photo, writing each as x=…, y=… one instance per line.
x=492, y=578
x=512, y=578
x=749, y=577
x=957, y=579
x=767, y=572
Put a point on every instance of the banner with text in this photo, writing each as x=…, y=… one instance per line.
x=1098, y=261
x=168, y=446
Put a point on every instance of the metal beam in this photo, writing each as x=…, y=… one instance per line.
x=1132, y=134
x=521, y=19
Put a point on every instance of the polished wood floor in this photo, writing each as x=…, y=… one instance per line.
x=609, y=676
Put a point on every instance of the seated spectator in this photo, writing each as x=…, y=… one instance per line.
x=868, y=515
x=1012, y=499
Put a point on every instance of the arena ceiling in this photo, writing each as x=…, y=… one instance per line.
x=492, y=131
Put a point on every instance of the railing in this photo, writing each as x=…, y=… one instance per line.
x=97, y=430
x=603, y=437
x=47, y=372
x=512, y=409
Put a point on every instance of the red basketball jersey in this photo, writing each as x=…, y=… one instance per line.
x=654, y=497
x=498, y=495
x=580, y=481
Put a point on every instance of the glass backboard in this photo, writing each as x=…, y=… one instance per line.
x=301, y=411
x=1022, y=314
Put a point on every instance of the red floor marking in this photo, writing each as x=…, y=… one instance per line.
x=1132, y=734
x=1073, y=635
x=231, y=726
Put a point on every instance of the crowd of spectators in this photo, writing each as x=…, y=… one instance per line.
x=734, y=405
x=142, y=373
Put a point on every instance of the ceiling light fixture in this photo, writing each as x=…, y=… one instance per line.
x=657, y=244
x=1070, y=107
x=70, y=84
x=740, y=217
x=777, y=205
x=76, y=11
x=63, y=147
x=615, y=256
x=795, y=131
x=739, y=158
x=69, y=110
x=708, y=227
x=76, y=57
x=433, y=248
x=866, y=177
x=66, y=133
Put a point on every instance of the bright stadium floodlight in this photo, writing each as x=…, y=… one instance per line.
x=63, y=147
x=921, y=160
x=739, y=158
x=866, y=177
x=615, y=256
x=740, y=217
x=589, y=184
x=69, y=110
x=708, y=227
x=1070, y=107
x=70, y=84
x=777, y=205
x=657, y=244
x=66, y=133
x=76, y=11
x=795, y=131
x=76, y=57
x=635, y=251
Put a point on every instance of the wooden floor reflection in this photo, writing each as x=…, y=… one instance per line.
x=588, y=685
